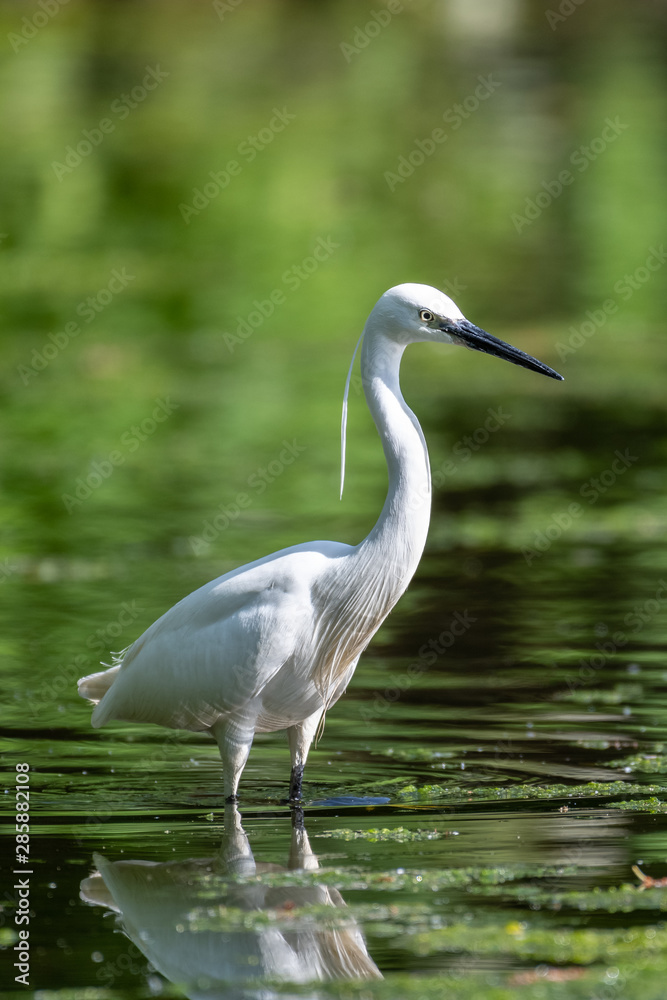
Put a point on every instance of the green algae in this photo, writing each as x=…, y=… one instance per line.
x=616, y=899
x=399, y=834
x=400, y=879
x=414, y=914
x=645, y=763
x=417, y=753
x=478, y=954
x=652, y=805
x=528, y=941
x=590, y=790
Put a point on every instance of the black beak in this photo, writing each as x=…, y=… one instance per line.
x=479, y=340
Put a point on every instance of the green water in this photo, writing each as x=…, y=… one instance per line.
x=478, y=799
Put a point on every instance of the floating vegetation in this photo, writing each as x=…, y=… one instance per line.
x=616, y=899
x=417, y=753
x=590, y=790
x=402, y=879
x=399, y=834
x=529, y=941
x=653, y=805
x=646, y=763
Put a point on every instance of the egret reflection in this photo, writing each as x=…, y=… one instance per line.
x=227, y=926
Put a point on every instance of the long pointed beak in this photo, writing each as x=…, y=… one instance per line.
x=476, y=339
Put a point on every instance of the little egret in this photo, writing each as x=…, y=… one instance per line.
x=273, y=644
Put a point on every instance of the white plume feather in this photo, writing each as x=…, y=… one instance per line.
x=343, y=423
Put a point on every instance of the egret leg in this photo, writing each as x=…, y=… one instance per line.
x=298, y=823
x=235, y=850
x=300, y=737
x=234, y=742
x=301, y=853
x=295, y=781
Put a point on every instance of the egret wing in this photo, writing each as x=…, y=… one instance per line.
x=211, y=654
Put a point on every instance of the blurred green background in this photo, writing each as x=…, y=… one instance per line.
x=116, y=114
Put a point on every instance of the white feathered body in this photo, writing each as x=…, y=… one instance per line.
x=273, y=642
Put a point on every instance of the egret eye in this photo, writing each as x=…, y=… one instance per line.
x=426, y=316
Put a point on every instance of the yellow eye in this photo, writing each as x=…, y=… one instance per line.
x=426, y=316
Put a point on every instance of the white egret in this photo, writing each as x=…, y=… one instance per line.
x=273, y=644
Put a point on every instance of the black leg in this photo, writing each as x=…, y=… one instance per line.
x=296, y=778
x=298, y=821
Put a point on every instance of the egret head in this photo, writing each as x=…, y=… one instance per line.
x=410, y=313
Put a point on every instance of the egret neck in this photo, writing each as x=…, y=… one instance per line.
x=367, y=583
x=395, y=545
